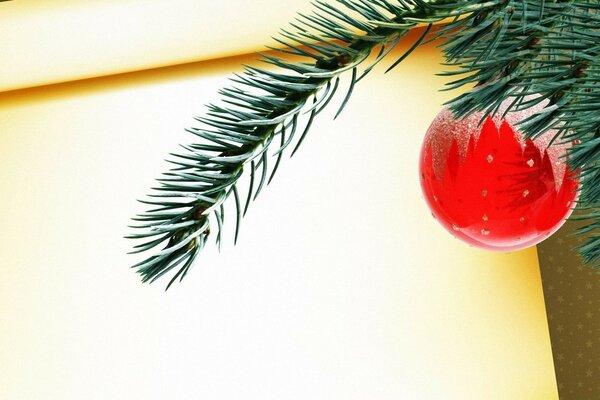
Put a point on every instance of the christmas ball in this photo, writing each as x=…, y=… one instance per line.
x=491, y=188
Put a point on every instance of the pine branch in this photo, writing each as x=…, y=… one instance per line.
x=237, y=133
x=507, y=49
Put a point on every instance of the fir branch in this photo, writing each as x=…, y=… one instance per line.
x=237, y=133
x=507, y=49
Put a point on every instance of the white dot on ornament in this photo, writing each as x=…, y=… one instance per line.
x=490, y=158
x=530, y=162
x=484, y=217
x=485, y=232
x=456, y=228
x=525, y=193
x=522, y=219
x=435, y=199
x=484, y=192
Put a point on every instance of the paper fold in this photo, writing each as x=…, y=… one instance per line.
x=64, y=40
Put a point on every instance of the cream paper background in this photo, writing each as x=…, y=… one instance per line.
x=341, y=286
x=54, y=41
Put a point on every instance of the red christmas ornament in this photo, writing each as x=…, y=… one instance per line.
x=489, y=187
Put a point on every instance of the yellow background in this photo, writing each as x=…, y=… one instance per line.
x=341, y=285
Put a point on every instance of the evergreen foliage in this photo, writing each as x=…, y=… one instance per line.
x=504, y=48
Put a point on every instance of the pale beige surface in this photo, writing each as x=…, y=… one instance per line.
x=53, y=41
x=342, y=286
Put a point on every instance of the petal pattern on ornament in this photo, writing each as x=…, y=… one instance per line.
x=490, y=171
